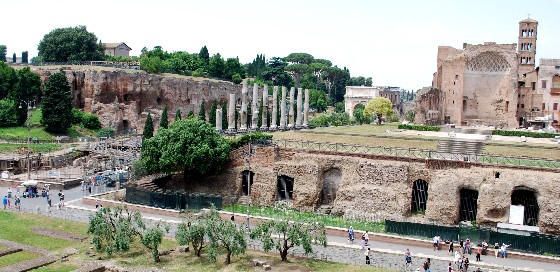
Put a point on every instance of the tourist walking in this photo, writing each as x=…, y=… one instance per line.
x=449, y=268
x=435, y=242
x=5, y=201
x=496, y=249
x=366, y=236
x=461, y=245
x=451, y=247
x=367, y=255
x=18, y=203
x=467, y=248
x=363, y=241
x=351, y=235
x=466, y=264
x=407, y=260
x=426, y=265
x=457, y=260
x=478, y=252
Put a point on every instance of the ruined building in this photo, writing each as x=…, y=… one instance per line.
x=486, y=84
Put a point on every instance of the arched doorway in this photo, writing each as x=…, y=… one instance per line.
x=285, y=188
x=469, y=202
x=419, y=196
x=244, y=188
x=331, y=180
x=528, y=200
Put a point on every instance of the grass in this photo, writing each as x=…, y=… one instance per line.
x=17, y=227
x=36, y=116
x=35, y=148
x=17, y=257
x=19, y=133
x=294, y=215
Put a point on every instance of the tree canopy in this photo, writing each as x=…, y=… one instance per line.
x=164, y=121
x=27, y=88
x=70, y=44
x=57, y=104
x=378, y=106
x=148, y=128
x=187, y=145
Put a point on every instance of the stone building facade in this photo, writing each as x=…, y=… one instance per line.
x=487, y=84
x=117, y=49
x=383, y=187
x=360, y=95
x=549, y=88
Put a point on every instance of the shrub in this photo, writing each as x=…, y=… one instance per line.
x=8, y=114
x=393, y=118
x=420, y=128
x=106, y=132
x=77, y=116
x=236, y=78
x=331, y=119
x=244, y=139
x=91, y=121
x=524, y=133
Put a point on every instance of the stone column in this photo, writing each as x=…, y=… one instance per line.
x=243, y=111
x=274, y=108
x=306, y=109
x=218, y=119
x=265, y=107
x=283, y=109
x=231, y=112
x=298, y=107
x=291, y=109
x=254, y=117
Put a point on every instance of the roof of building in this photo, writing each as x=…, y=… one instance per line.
x=529, y=20
x=115, y=45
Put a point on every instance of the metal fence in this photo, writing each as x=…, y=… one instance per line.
x=532, y=242
x=415, y=153
x=177, y=201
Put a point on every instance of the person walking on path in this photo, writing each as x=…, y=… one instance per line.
x=351, y=235
x=451, y=247
x=436, y=242
x=407, y=260
x=5, y=201
x=426, y=265
x=367, y=256
x=366, y=236
x=467, y=248
x=496, y=249
x=363, y=242
x=449, y=268
x=478, y=252
x=18, y=203
x=461, y=245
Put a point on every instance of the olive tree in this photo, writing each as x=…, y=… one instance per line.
x=282, y=235
x=226, y=234
x=192, y=233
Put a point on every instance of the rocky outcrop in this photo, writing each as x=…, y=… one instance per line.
x=122, y=99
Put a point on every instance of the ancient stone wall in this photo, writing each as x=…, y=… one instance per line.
x=377, y=188
x=122, y=99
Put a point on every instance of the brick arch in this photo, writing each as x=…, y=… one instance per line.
x=528, y=198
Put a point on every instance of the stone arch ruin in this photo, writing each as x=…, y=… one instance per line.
x=244, y=175
x=468, y=204
x=419, y=196
x=331, y=183
x=488, y=61
x=285, y=188
x=527, y=198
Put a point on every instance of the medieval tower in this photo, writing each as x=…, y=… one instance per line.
x=527, y=45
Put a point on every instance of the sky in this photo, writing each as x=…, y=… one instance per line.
x=394, y=42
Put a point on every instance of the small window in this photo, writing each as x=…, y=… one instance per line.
x=542, y=107
x=543, y=84
x=533, y=85
x=522, y=106
x=555, y=106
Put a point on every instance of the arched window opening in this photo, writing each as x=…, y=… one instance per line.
x=331, y=181
x=419, y=196
x=528, y=200
x=285, y=188
x=244, y=184
x=468, y=209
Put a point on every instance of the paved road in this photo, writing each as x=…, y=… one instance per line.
x=383, y=254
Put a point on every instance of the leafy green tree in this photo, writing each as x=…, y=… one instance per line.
x=193, y=234
x=226, y=234
x=233, y=67
x=216, y=66
x=212, y=114
x=151, y=64
x=8, y=79
x=190, y=114
x=77, y=116
x=297, y=70
x=202, y=111
x=359, y=115
x=282, y=235
x=14, y=58
x=410, y=115
x=301, y=58
x=224, y=116
x=57, y=104
x=164, y=121
x=177, y=115
x=3, y=52
x=339, y=107
x=116, y=229
x=27, y=87
x=70, y=44
x=24, y=57
x=257, y=67
x=276, y=73
x=148, y=128
x=204, y=55
x=106, y=132
x=188, y=145
x=378, y=107
x=8, y=114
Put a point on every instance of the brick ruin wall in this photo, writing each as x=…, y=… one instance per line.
x=373, y=187
x=122, y=99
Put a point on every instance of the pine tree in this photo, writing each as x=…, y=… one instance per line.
x=225, y=119
x=148, y=128
x=190, y=114
x=212, y=114
x=164, y=122
x=202, y=111
x=177, y=115
x=57, y=104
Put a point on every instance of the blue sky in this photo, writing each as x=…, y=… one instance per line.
x=394, y=42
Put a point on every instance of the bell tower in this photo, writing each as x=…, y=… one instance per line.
x=527, y=46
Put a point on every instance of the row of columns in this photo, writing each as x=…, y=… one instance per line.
x=287, y=120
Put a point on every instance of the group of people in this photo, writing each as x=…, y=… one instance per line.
x=7, y=202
